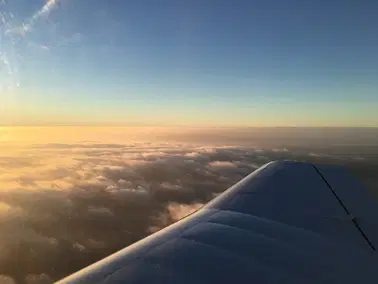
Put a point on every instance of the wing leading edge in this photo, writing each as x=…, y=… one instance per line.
x=288, y=222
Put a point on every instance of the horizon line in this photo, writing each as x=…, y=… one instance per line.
x=176, y=126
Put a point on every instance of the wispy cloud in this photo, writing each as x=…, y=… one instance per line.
x=28, y=24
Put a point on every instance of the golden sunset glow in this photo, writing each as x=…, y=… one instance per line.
x=119, y=118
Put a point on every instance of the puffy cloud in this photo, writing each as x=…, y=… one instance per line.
x=68, y=205
x=38, y=279
x=314, y=155
x=178, y=211
x=100, y=211
x=222, y=164
x=280, y=150
x=7, y=280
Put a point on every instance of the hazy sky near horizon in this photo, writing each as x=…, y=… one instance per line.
x=198, y=62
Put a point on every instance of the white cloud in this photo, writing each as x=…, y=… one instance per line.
x=102, y=197
x=78, y=246
x=280, y=150
x=170, y=186
x=100, y=211
x=4, y=279
x=193, y=154
x=178, y=211
x=222, y=164
x=38, y=279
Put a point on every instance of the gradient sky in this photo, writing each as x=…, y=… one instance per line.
x=193, y=62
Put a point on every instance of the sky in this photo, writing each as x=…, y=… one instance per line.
x=190, y=63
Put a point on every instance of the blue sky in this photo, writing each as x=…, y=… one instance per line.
x=198, y=62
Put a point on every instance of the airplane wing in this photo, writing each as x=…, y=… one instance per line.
x=287, y=222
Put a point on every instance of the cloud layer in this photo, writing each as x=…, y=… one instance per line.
x=64, y=206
